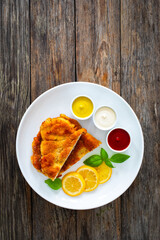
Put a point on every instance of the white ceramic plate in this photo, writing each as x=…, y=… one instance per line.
x=57, y=100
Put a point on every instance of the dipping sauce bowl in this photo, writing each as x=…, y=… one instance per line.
x=118, y=140
x=105, y=118
x=82, y=107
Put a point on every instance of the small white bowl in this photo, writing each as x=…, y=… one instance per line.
x=108, y=128
x=85, y=118
x=118, y=151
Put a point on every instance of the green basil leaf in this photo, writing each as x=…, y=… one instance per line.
x=56, y=184
x=108, y=163
x=119, y=158
x=93, y=161
x=104, y=154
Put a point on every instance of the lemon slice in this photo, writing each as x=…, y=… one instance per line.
x=90, y=176
x=104, y=173
x=73, y=184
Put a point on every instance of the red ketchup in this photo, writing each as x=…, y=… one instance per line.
x=118, y=139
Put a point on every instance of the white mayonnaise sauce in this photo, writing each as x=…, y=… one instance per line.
x=105, y=117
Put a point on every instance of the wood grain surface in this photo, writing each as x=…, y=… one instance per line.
x=115, y=43
x=15, y=194
x=140, y=86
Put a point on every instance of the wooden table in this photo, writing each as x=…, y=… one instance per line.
x=48, y=42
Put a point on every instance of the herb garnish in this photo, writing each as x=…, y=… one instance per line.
x=93, y=161
x=96, y=160
x=56, y=184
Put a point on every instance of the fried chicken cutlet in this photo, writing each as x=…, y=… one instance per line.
x=58, y=138
x=86, y=144
x=60, y=143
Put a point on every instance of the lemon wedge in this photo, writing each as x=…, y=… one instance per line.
x=90, y=177
x=73, y=184
x=104, y=173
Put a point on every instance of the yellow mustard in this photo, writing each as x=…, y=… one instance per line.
x=82, y=107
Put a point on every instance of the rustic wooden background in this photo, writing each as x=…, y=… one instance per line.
x=115, y=43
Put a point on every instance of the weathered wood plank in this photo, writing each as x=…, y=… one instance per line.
x=52, y=44
x=52, y=63
x=140, y=86
x=15, y=200
x=98, y=42
x=98, y=60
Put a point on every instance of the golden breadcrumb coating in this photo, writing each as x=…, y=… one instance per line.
x=53, y=144
x=60, y=143
x=86, y=143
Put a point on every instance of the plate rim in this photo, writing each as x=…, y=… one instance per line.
x=45, y=93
